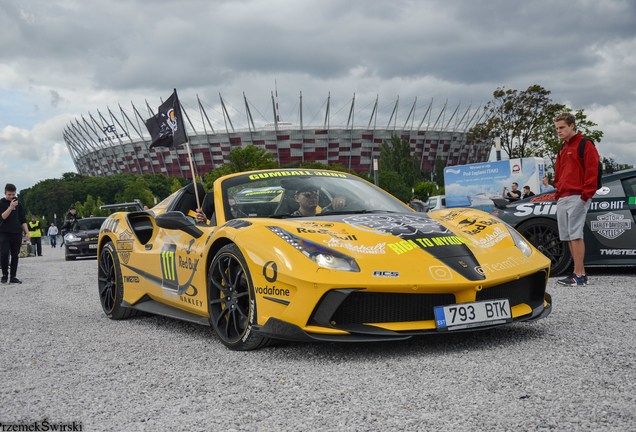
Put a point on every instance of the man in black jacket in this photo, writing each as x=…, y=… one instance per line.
x=69, y=221
x=12, y=224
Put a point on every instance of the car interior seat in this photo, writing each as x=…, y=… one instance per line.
x=208, y=207
x=187, y=202
x=287, y=204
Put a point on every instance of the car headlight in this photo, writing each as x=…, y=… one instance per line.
x=71, y=238
x=321, y=255
x=520, y=242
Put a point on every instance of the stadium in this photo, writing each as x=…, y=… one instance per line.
x=117, y=141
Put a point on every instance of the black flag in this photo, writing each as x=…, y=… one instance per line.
x=166, y=127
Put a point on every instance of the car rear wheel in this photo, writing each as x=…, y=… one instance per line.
x=111, y=286
x=544, y=235
x=231, y=301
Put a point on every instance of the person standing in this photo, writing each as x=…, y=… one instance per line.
x=52, y=233
x=35, y=231
x=12, y=224
x=575, y=179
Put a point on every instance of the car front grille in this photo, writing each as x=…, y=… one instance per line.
x=347, y=307
x=529, y=290
x=368, y=307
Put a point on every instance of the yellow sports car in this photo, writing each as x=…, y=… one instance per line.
x=316, y=255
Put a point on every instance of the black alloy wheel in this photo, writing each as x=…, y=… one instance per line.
x=110, y=284
x=231, y=301
x=544, y=235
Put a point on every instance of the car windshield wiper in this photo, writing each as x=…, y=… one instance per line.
x=361, y=211
x=284, y=216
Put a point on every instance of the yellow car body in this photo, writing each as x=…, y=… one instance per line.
x=370, y=270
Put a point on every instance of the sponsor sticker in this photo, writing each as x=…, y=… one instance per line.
x=275, y=174
x=386, y=274
x=607, y=205
x=548, y=208
x=441, y=273
x=489, y=240
x=603, y=191
x=364, y=249
x=403, y=246
x=168, y=258
x=124, y=245
x=397, y=225
x=272, y=290
x=611, y=225
x=339, y=235
x=270, y=271
x=618, y=252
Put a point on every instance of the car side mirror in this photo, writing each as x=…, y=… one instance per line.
x=175, y=220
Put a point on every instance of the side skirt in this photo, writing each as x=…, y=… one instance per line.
x=146, y=304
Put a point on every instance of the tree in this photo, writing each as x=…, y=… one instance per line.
x=322, y=166
x=611, y=166
x=525, y=121
x=241, y=159
x=176, y=185
x=90, y=207
x=395, y=155
x=426, y=189
x=393, y=183
x=139, y=190
x=250, y=158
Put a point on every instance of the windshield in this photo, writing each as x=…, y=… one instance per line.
x=296, y=193
x=88, y=224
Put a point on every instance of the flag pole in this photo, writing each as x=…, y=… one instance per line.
x=187, y=142
x=194, y=174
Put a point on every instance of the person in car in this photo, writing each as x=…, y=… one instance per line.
x=307, y=195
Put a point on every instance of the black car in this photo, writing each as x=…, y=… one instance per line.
x=610, y=231
x=81, y=240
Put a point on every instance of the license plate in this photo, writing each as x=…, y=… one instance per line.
x=466, y=315
x=92, y=246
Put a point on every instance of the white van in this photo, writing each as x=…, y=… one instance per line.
x=436, y=202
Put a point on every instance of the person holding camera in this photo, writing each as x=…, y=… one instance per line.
x=512, y=195
x=12, y=224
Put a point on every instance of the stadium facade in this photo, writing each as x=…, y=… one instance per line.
x=118, y=142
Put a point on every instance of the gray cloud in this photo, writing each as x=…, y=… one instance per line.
x=73, y=56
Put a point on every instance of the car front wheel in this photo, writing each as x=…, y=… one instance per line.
x=231, y=301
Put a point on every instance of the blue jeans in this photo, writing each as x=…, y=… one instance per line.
x=53, y=240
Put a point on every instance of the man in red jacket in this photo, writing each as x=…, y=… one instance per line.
x=576, y=181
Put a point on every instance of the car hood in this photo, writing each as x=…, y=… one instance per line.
x=87, y=233
x=405, y=240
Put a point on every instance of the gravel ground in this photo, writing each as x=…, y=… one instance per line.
x=63, y=360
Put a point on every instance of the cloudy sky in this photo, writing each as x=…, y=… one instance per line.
x=60, y=60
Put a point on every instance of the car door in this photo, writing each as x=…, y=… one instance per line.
x=610, y=237
x=178, y=261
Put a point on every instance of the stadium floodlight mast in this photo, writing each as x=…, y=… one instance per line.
x=375, y=171
x=498, y=144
